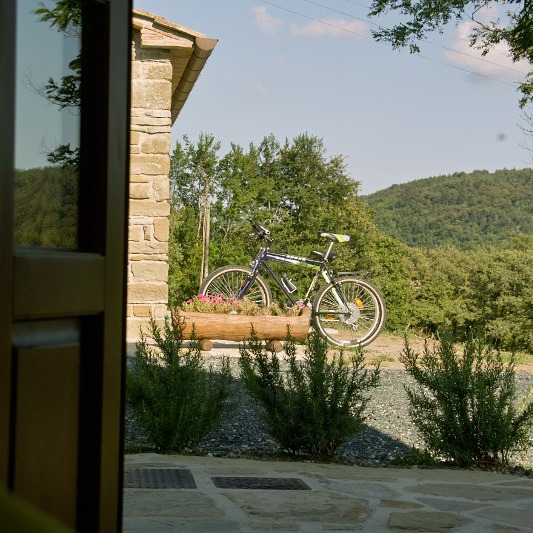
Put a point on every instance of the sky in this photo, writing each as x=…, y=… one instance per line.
x=299, y=66
x=42, y=53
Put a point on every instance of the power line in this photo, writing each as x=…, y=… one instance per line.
x=298, y=13
x=315, y=20
x=482, y=59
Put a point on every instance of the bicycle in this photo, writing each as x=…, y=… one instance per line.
x=348, y=311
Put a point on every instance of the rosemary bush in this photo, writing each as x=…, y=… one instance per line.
x=316, y=405
x=174, y=398
x=466, y=406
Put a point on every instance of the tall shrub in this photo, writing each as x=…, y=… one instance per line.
x=174, y=398
x=316, y=405
x=466, y=406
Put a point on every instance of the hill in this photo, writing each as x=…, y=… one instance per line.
x=462, y=210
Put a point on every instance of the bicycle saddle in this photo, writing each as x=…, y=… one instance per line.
x=334, y=237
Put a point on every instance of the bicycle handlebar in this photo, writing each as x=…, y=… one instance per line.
x=260, y=231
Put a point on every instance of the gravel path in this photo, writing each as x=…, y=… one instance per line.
x=388, y=433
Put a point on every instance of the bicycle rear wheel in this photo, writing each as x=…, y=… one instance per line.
x=228, y=280
x=350, y=312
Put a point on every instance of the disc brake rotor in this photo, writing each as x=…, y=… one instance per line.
x=353, y=317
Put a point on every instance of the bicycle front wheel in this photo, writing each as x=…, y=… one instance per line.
x=227, y=281
x=350, y=312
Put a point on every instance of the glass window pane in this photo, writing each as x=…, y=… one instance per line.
x=47, y=123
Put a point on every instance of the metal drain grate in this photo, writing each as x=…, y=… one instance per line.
x=268, y=483
x=159, y=478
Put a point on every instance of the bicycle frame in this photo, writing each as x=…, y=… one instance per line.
x=321, y=265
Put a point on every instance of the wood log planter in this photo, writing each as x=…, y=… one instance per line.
x=235, y=327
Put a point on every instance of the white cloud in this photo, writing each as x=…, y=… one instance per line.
x=261, y=89
x=496, y=64
x=267, y=24
x=330, y=28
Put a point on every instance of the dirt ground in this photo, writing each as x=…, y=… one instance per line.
x=387, y=349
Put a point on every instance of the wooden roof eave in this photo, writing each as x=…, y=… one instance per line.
x=183, y=43
x=201, y=51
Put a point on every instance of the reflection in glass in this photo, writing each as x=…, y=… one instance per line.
x=47, y=123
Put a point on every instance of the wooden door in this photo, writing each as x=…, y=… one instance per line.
x=62, y=260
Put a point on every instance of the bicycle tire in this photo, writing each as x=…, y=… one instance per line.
x=228, y=280
x=367, y=313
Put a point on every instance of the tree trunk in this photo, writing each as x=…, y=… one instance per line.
x=239, y=327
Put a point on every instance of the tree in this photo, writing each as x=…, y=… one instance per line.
x=193, y=182
x=65, y=17
x=527, y=127
x=515, y=28
x=297, y=191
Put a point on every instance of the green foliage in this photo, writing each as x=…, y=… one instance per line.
x=487, y=291
x=175, y=400
x=415, y=457
x=471, y=273
x=461, y=210
x=292, y=187
x=184, y=255
x=65, y=16
x=499, y=295
x=387, y=260
x=316, y=405
x=46, y=207
x=514, y=29
x=466, y=406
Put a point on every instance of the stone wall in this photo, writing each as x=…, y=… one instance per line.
x=167, y=60
x=149, y=186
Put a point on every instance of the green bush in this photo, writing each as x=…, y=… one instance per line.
x=466, y=406
x=316, y=405
x=175, y=400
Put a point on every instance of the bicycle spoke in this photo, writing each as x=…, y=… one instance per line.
x=349, y=313
x=228, y=281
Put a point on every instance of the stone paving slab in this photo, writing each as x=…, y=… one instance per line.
x=341, y=498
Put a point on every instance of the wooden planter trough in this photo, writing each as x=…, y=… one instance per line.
x=219, y=326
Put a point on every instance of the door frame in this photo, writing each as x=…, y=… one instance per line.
x=89, y=284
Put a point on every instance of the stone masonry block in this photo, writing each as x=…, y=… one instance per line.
x=152, y=94
x=148, y=257
x=134, y=327
x=150, y=54
x=158, y=143
x=140, y=190
x=135, y=233
x=139, y=179
x=150, y=271
x=149, y=208
x=141, y=220
x=150, y=164
x=142, y=310
x=135, y=137
x=161, y=229
x=151, y=70
x=147, y=248
x=140, y=293
x=161, y=187
x=146, y=125
x=159, y=311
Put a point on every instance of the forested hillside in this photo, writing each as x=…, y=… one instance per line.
x=461, y=210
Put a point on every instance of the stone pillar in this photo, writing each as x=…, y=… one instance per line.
x=149, y=187
x=166, y=61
